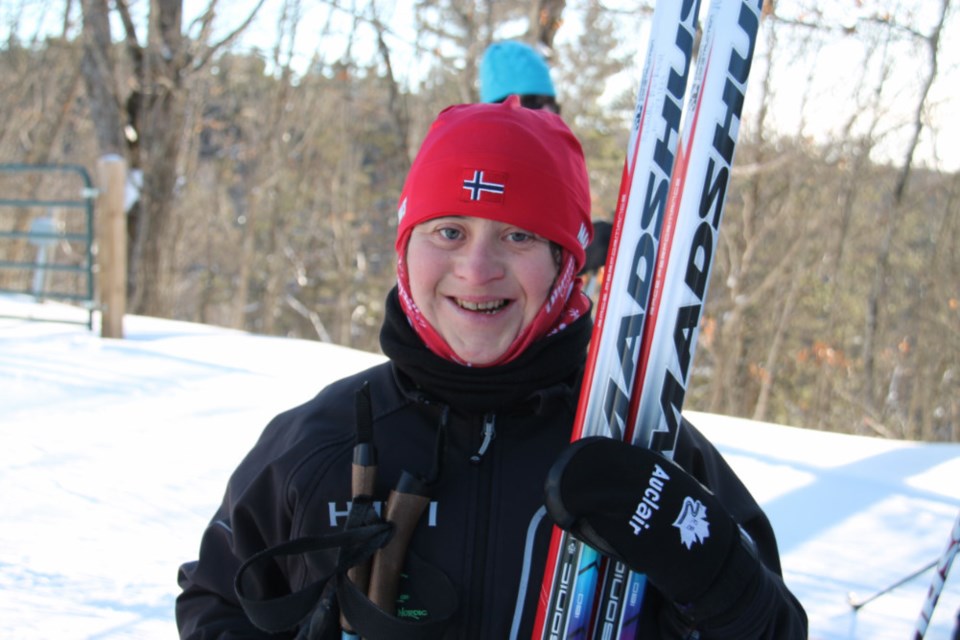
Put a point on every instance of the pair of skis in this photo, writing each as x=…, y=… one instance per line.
x=672, y=196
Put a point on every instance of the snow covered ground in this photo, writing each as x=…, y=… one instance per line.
x=114, y=454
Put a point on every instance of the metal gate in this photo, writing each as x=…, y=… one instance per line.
x=47, y=233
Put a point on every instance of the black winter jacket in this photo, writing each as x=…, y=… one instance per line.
x=485, y=528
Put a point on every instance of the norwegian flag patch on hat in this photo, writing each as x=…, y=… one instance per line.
x=483, y=186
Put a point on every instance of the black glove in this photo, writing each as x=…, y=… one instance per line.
x=641, y=508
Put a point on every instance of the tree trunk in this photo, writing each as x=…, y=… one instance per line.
x=768, y=375
x=890, y=218
x=98, y=72
x=161, y=131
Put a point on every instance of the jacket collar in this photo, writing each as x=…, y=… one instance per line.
x=548, y=368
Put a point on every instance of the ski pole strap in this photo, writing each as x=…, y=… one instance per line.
x=363, y=534
x=375, y=616
x=313, y=608
x=364, y=414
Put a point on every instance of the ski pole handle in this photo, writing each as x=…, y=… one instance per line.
x=362, y=479
x=363, y=476
x=404, y=507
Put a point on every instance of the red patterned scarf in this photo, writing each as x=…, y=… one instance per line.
x=566, y=303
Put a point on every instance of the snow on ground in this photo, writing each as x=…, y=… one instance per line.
x=114, y=454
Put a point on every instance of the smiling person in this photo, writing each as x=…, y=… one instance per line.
x=486, y=335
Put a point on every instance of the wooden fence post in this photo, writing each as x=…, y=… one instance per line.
x=112, y=242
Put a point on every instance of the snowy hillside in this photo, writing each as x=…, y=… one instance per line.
x=114, y=454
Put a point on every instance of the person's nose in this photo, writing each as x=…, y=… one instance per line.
x=480, y=261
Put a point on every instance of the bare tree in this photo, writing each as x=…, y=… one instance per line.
x=99, y=71
x=546, y=21
x=858, y=138
x=890, y=215
x=155, y=119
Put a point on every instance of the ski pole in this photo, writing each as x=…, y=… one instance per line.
x=939, y=578
x=856, y=604
x=362, y=480
x=404, y=507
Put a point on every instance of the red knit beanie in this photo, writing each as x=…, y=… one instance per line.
x=505, y=163
x=513, y=165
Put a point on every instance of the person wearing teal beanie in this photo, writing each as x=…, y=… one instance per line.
x=509, y=68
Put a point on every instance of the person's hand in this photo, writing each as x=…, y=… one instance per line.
x=641, y=508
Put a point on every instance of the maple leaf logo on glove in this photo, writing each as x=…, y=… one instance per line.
x=692, y=522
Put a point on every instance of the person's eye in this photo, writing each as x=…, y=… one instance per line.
x=521, y=237
x=449, y=233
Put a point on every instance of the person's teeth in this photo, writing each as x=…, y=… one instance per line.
x=492, y=305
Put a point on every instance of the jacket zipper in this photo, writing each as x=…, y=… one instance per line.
x=474, y=612
x=489, y=433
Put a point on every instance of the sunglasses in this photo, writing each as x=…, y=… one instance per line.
x=540, y=102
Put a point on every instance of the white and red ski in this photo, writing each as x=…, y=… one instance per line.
x=671, y=201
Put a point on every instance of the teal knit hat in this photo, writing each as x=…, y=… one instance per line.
x=512, y=67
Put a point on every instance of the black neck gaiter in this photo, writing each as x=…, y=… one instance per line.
x=554, y=360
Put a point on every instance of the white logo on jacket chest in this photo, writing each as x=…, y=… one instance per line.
x=338, y=511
